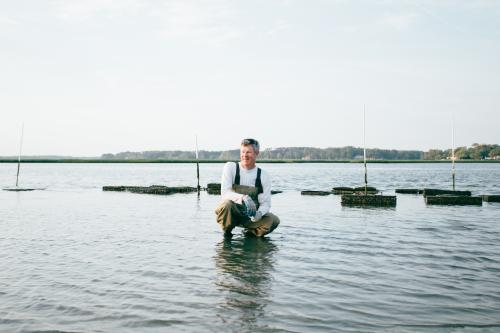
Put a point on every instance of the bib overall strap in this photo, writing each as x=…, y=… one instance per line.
x=258, y=182
x=237, y=177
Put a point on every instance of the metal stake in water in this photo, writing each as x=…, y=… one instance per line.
x=364, y=149
x=453, y=153
x=19, y=157
x=197, y=166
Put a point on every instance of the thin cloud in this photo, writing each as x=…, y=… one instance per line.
x=76, y=10
x=199, y=21
x=399, y=21
x=434, y=10
x=392, y=22
x=466, y=4
x=279, y=26
x=6, y=21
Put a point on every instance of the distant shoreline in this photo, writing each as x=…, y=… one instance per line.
x=224, y=161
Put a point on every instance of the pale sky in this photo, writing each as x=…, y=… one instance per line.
x=89, y=77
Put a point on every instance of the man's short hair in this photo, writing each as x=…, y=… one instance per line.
x=254, y=143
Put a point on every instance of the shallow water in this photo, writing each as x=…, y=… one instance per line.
x=76, y=259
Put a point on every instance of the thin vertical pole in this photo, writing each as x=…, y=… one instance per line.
x=19, y=156
x=364, y=149
x=453, y=152
x=197, y=166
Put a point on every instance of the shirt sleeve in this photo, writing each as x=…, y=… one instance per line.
x=265, y=196
x=226, y=188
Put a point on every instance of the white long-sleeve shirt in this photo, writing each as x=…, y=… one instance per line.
x=247, y=177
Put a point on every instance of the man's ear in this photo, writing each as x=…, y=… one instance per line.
x=257, y=153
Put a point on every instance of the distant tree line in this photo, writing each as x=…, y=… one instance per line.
x=475, y=152
x=290, y=153
x=344, y=153
x=173, y=155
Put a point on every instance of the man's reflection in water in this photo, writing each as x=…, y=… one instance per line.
x=244, y=274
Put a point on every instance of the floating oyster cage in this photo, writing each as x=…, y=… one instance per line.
x=491, y=198
x=409, y=191
x=353, y=190
x=153, y=189
x=15, y=189
x=318, y=193
x=453, y=200
x=432, y=192
x=368, y=200
x=213, y=188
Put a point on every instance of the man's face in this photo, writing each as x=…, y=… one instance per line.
x=248, y=156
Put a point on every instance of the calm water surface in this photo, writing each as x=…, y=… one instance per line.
x=76, y=259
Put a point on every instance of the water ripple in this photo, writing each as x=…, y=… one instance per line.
x=76, y=259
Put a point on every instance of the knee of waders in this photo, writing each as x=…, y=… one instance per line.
x=224, y=206
x=276, y=222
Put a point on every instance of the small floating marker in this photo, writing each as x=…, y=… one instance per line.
x=369, y=200
x=154, y=189
x=213, y=188
x=320, y=193
x=491, y=198
x=432, y=192
x=409, y=191
x=446, y=199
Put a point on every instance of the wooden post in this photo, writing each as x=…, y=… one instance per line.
x=453, y=153
x=364, y=148
x=197, y=166
x=19, y=157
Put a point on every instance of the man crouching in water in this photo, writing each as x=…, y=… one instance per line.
x=246, y=195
